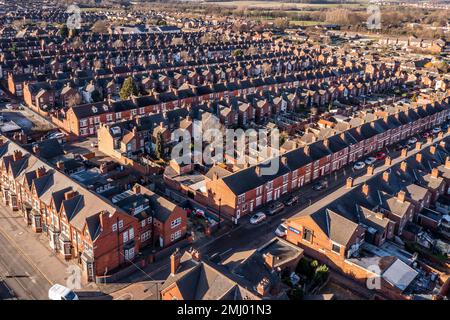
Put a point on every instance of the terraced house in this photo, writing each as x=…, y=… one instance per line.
x=81, y=225
x=242, y=192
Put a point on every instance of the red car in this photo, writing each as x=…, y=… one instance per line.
x=380, y=155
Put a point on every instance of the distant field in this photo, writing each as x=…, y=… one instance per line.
x=278, y=5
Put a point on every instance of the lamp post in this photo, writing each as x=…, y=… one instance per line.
x=220, y=204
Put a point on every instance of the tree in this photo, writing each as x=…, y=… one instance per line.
x=96, y=96
x=177, y=41
x=237, y=52
x=74, y=100
x=128, y=89
x=159, y=149
x=64, y=31
x=100, y=26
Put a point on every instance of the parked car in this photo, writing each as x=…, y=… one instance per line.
x=412, y=140
x=94, y=144
x=291, y=200
x=436, y=130
x=59, y=292
x=199, y=213
x=380, y=155
x=370, y=160
x=9, y=106
x=319, y=186
x=359, y=165
x=56, y=135
x=281, y=230
x=257, y=218
x=398, y=147
x=275, y=208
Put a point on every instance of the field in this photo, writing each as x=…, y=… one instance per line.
x=283, y=5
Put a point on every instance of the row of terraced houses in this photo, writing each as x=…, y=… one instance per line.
x=242, y=192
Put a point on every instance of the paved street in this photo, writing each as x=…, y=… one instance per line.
x=19, y=275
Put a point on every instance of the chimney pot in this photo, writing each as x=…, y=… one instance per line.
x=404, y=152
x=418, y=145
x=370, y=170
x=419, y=157
x=269, y=259
x=17, y=155
x=386, y=176
x=69, y=195
x=40, y=172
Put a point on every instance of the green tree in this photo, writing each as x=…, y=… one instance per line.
x=128, y=89
x=64, y=31
x=159, y=149
x=96, y=96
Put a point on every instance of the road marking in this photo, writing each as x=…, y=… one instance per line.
x=225, y=252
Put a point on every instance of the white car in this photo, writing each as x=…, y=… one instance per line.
x=412, y=140
x=56, y=135
x=281, y=230
x=59, y=292
x=359, y=165
x=9, y=106
x=436, y=130
x=370, y=160
x=257, y=218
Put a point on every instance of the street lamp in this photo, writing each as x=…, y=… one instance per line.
x=220, y=203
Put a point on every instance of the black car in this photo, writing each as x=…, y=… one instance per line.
x=291, y=200
x=319, y=186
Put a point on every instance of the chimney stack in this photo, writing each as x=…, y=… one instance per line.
x=442, y=144
x=365, y=189
x=435, y=173
x=69, y=195
x=440, y=135
x=386, y=175
x=403, y=166
x=326, y=143
x=175, y=261
x=40, y=172
x=404, y=152
x=284, y=160
x=258, y=171
x=388, y=161
x=306, y=150
x=349, y=183
x=418, y=145
x=447, y=162
x=419, y=157
x=263, y=287
x=401, y=196
x=432, y=149
x=430, y=140
x=17, y=155
x=269, y=259
x=196, y=256
x=370, y=170
x=137, y=189
x=60, y=165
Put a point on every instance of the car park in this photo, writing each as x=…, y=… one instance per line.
x=281, y=230
x=359, y=165
x=257, y=218
x=275, y=208
x=370, y=160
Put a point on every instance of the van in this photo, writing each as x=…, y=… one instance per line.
x=59, y=292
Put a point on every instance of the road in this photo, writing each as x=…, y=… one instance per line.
x=19, y=276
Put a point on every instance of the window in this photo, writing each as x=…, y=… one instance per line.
x=241, y=198
x=336, y=248
x=285, y=188
x=145, y=236
x=175, y=223
x=120, y=224
x=109, y=117
x=286, y=178
x=269, y=185
x=131, y=233
x=259, y=191
x=307, y=235
x=83, y=123
x=114, y=227
x=143, y=223
x=96, y=120
x=149, y=220
x=175, y=236
x=118, y=115
x=125, y=237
